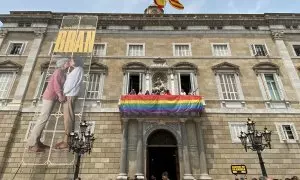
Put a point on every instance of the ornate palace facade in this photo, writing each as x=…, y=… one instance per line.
x=244, y=65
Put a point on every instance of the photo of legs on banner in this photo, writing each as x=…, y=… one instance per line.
x=61, y=104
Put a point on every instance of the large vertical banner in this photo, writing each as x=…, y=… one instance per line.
x=75, y=37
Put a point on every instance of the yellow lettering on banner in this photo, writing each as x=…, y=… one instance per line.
x=70, y=41
x=75, y=41
x=79, y=42
x=60, y=41
x=89, y=41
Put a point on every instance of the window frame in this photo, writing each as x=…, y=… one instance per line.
x=102, y=76
x=253, y=50
x=234, y=137
x=14, y=75
x=182, y=44
x=214, y=52
x=105, y=49
x=265, y=89
x=24, y=45
x=137, y=44
x=228, y=68
x=283, y=137
x=292, y=44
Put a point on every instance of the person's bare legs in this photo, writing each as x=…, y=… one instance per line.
x=69, y=121
x=34, y=142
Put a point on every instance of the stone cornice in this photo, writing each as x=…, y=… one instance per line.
x=106, y=19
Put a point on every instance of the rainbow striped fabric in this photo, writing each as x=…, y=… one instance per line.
x=160, y=104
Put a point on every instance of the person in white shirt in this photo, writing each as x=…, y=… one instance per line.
x=72, y=87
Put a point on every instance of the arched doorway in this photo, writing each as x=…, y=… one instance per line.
x=162, y=155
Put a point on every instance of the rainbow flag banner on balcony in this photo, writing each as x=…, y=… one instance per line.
x=149, y=105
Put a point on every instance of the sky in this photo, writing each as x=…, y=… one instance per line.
x=138, y=6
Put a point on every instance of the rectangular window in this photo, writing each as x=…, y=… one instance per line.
x=16, y=48
x=235, y=131
x=287, y=132
x=6, y=82
x=182, y=50
x=135, y=50
x=134, y=83
x=221, y=50
x=259, y=50
x=272, y=87
x=95, y=84
x=185, y=84
x=297, y=49
x=229, y=87
x=99, y=50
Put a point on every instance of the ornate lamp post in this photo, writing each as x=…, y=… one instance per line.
x=81, y=143
x=253, y=140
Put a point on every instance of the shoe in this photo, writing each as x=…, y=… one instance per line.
x=35, y=149
x=44, y=146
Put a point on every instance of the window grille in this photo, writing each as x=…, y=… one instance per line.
x=182, y=50
x=16, y=48
x=235, y=131
x=259, y=50
x=229, y=87
x=99, y=50
x=6, y=81
x=221, y=50
x=135, y=50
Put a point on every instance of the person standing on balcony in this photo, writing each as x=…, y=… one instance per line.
x=53, y=92
x=71, y=91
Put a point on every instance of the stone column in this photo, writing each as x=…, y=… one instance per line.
x=3, y=34
x=28, y=68
x=139, y=152
x=287, y=61
x=186, y=159
x=123, y=160
x=201, y=150
x=147, y=83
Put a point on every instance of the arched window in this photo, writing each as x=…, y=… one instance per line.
x=185, y=78
x=134, y=77
x=228, y=85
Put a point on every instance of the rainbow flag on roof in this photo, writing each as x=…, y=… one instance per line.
x=160, y=104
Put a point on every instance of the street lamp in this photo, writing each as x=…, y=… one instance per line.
x=81, y=143
x=253, y=139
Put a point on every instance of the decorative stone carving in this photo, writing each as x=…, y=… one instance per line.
x=172, y=127
x=159, y=63
x=3, y=33
x=159, y=80
x=39, y=33
x=278, y=35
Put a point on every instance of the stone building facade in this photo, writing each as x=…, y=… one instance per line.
x=245, y=65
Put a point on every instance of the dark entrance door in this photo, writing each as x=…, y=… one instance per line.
x=162, y=155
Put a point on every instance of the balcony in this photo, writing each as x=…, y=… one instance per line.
x=161, y=105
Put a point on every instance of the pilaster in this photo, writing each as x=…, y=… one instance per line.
x=123, y=160
x=290, y=68
x=185, y=152
x=139, y=152
x=3, y=34
x=202, y=154
x=28, y=67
